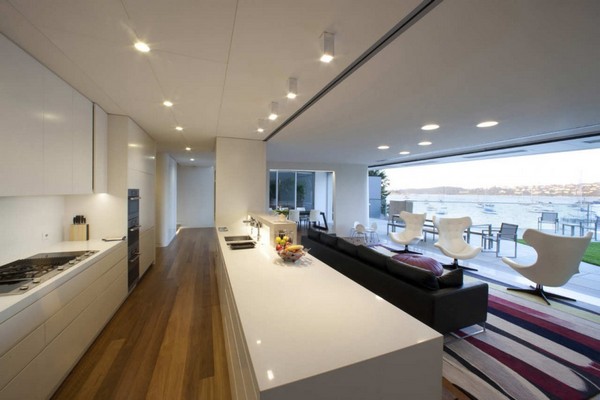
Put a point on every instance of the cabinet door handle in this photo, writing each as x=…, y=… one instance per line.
x=135, y=198
x=135, y=228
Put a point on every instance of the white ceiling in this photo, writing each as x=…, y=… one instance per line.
x=531, y=65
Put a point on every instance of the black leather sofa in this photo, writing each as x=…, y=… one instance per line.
x=444, y=303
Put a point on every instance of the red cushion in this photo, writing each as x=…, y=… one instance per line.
x=420, y=261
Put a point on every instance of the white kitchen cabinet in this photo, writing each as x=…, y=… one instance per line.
x=21, y=122
x=83, y=149
x=58, y=139
x=45, y=340
x=100, y=150
x=147, y=250
x=45, y=129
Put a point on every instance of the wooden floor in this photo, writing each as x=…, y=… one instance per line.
x=166, y=341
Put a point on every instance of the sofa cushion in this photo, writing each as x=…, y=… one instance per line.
x=346, y=247
x=371, y=257
x=329, y=240
x=453, y=278
x=417, y=276
x=417, y=260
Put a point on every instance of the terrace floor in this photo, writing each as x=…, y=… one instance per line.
x=584, y=286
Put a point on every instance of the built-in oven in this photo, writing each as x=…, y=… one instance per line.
x=133, y=237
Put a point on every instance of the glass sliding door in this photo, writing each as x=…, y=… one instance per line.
x=291, y=189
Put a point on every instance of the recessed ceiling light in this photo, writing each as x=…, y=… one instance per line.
x=430, y=127
x=179, y=128
x=188, y=148
x=192, y=159
x=261, y=126
x=273, y=114
x=327, y=47
x=424, y=143
x=142, y=47
x=404, y=152
x=383, y=147
x=260, y=130
x=167, y=103
x=487, y=124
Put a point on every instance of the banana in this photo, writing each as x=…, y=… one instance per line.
x=294, y=248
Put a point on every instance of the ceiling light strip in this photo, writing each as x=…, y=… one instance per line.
x=415, y=15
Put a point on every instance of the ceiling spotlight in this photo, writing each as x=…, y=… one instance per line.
x=292, y=88
x=487, y=124
x=430, y=127
x=383, y=147
x=188, y=148
x=261, y=126
x=178, y=128
x=192, y=159
x=142, y=47
x=167, y=103
x=327, y=47
x=404, y=153
x=424, y=143
x=273, y=114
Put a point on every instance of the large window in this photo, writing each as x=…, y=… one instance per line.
x=292, y=189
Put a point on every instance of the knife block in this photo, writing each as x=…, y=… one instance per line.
x=79, y=232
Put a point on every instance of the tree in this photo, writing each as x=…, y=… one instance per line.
x=385, y=181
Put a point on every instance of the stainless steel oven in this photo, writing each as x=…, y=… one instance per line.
x=133, y=237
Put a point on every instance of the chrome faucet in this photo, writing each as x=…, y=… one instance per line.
x=254, y=223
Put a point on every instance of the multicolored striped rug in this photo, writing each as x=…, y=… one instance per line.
x=528, y=351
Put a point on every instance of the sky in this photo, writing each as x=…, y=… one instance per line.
x=557, y=168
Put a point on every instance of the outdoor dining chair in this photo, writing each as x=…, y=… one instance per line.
x=506, y=232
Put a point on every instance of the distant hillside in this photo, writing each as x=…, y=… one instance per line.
x=580, y=190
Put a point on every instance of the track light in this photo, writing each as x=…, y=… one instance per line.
x=327, y=47
x=273, y=114
x=292, y=88
x=261, y=126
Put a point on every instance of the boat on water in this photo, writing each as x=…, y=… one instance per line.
x=443, y=210
x=541, y=207
x=489, y=208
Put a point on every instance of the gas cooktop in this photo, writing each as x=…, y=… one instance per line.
x=19, y=276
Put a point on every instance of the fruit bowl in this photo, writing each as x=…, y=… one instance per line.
x=290, y=256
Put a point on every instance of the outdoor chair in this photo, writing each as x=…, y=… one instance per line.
x=372, y=232
x=548, y=218
x=558, y=259
x=506, y=232
x=412, y=233
x=451, y=242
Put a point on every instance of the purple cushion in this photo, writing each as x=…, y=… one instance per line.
x=417, y=260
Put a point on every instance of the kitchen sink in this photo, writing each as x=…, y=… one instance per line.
x=238, y=238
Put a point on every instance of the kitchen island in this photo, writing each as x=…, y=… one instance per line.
x=304, y=331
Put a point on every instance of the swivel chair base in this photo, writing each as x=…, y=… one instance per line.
x=405, y=250
x=455, y=265
x=539, y=291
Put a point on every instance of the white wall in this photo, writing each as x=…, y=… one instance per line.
x=24, y=221
x=350, y=191
x=104, y=214
x=166, y=199
x=241, y=179
x=195, y=196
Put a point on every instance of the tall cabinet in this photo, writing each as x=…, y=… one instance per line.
x=132, y=165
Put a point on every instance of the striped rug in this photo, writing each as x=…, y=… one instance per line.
x=528, y=351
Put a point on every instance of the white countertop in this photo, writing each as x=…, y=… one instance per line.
x=303, y=319
x=12, y=304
